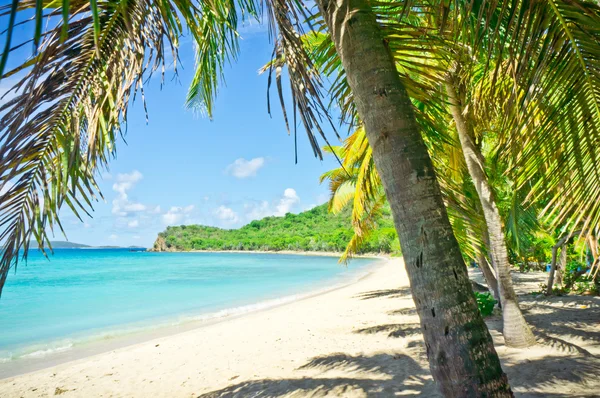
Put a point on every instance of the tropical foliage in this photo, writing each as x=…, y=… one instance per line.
x=312, y=230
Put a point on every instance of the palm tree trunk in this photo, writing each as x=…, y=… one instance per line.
x=489, y=276
x=515, y=329
x=459, y=347
x=562, y=242
x=562, y=265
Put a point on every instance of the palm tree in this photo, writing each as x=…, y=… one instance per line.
x=434, y=263
x=546, y=123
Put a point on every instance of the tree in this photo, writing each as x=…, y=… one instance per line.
x=459, y=346
x=472, y=91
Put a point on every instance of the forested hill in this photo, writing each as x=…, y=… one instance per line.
x=312, y=230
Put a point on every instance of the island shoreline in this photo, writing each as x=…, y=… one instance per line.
x=385, y=256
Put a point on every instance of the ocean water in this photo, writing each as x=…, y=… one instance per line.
x=85, y=295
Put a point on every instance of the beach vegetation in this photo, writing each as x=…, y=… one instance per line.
x=314, y=230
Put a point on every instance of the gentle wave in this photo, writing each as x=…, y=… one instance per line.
x=39, y=351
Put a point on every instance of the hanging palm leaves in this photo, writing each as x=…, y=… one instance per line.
x=70, y=105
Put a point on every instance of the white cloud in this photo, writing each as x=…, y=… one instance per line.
x=226, y=214
x=126, y=181
x=257, y=211
x=252, y=27
x=289, y=200
x=122, y=206
x=188, y=209
x=242, y=168
x=176, y=214
x=133, y=224
x=113, y=237
x=155, y=210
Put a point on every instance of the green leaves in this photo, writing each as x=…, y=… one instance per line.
x=216, y=39
x=69, y=107
x=9, y=33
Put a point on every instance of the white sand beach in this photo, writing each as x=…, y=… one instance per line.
x=362, y=340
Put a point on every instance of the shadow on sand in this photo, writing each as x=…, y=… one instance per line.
x=559, y=323
x=380, y=375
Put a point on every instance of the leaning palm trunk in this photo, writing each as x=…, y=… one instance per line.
x=515, y=329
x=459, y=347
x=559, y=263
x=562, y=265
x=489, y=276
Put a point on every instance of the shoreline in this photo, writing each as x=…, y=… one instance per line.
x=131, y=335
x=287, y=252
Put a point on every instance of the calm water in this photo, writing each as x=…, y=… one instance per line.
x=85, y=295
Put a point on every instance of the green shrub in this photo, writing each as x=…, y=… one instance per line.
x=485, y=302
x=584, y=285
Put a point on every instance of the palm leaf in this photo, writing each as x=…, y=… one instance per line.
x=70, y=106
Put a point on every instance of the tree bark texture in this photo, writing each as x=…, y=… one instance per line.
x=515, y=329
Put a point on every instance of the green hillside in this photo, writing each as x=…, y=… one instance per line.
x=312, y=230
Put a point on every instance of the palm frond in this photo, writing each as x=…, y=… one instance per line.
x=70, y=107
x=216, y=38
x=541, y=72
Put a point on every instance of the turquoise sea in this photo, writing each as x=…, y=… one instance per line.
x=85, y=295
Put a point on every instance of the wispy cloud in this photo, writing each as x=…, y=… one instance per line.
x=226, y=215
x=288, y=202
x=121, y=205
x=176, y=214
x=242, y=168
x=252, y=27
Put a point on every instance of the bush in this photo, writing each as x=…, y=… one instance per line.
x=485, y=302
x=585, y=285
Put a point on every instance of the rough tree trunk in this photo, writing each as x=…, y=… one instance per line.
x=459, y=347
x=515, y=329
x=489, y=276
x=562, y=242
x=562, y=265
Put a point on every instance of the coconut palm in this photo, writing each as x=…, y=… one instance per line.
x=543, y=117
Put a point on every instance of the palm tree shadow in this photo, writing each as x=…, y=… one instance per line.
x=558, y=372
x=378, y=375
x=388, y=293
x=403, y=311
x=559, y=322
x=395, y=330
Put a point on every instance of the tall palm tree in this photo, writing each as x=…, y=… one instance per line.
x=434, y=263
x=540, y=114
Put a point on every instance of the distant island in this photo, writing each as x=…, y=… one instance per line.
x=63, y=244
x=315, y=230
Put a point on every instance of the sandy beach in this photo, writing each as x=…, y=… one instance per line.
x=362, y=340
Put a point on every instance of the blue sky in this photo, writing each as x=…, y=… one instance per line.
x=182, y=168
